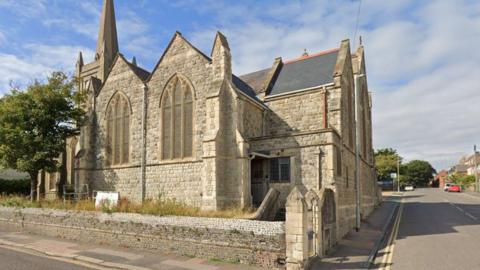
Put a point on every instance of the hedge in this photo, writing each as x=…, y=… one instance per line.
x=19, y=187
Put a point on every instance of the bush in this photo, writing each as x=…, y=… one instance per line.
x=19, y=187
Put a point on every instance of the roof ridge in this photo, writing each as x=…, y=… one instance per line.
x=311, y=56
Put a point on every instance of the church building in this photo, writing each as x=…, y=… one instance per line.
x=192, y=130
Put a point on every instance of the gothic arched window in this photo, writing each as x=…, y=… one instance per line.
x=177, y=120
x=118, y=130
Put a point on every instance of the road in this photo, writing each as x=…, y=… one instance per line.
x=13, y=260
x=437, y=230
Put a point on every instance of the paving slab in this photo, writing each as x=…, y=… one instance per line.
x=112, y=257
x=354, y=249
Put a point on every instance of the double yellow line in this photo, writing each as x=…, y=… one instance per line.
x=388, y=251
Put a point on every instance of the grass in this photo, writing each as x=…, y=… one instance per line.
x=159, y=207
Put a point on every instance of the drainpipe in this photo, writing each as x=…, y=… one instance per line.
x=357, y=153
x=144, y=142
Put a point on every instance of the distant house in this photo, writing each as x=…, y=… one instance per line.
x=440, y=179
x=471, y=163
x=9, y=174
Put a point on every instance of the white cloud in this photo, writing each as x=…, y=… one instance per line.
x=24, y=8
x=39, y=61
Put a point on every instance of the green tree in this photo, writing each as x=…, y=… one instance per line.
x=418, y=172
x=386, y=163
x=462, y=179
x=35, y=122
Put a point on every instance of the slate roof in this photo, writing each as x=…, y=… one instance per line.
x=306, y=72
x=256, y=79
x=244, y=87
x=140, y=72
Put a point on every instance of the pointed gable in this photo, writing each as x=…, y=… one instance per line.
x=177, y=45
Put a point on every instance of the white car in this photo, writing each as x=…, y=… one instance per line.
x=409, y=188
x=447, y=185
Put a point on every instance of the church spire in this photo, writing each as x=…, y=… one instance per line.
x=107, y=43
x=80, y=59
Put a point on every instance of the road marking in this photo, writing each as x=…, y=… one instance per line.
x=469, y=215
x=387, y=258
x=461, y=210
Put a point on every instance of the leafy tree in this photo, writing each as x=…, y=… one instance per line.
x=419, y=172
x=34, y=124
x=462, y=179
x=386, y=163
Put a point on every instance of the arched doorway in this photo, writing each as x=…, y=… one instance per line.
x=329, y=220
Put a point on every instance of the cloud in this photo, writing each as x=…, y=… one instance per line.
x=39, y=60
x=133, y=31
x=24, y=8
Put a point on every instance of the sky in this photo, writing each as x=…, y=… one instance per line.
x=423, y=64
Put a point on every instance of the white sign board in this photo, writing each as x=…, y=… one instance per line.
x=106, y=199
x=393, y=175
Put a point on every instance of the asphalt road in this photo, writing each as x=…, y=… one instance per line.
x=13, y=260
x=438, y=230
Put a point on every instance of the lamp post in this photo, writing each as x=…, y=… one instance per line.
x=398, y=174
x=475, y=168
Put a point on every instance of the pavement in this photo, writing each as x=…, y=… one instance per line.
x=435, y=230
x=14, y=260
x=21, y=251
x=352, y=252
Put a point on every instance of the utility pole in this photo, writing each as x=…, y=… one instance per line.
x=398, y=174
x=357, y=153
x=476, y=165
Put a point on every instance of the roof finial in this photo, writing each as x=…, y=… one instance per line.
x=134, y=61
x=305, y=53
x=360, y=40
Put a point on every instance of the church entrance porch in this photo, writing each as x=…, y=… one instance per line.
x=269, y=172
x=260, y=181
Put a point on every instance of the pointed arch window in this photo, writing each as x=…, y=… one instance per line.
x=118, y=131
x=177, y=120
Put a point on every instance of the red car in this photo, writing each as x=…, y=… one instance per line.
x=454, y=188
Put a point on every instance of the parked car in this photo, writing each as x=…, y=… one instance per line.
x=409, y=188
x=454, y=188
x=447, y=185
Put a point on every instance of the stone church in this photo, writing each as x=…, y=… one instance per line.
x=192, y=130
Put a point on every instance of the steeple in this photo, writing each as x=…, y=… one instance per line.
x=80, y=59
x=79, y=65
x=107, y=42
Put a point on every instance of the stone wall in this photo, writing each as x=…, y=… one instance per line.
x=245, y=241
x=302, y=111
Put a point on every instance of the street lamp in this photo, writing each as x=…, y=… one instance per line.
x=398, y=174
x=475, y=168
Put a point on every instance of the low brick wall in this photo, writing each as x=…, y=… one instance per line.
x=233, y=240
